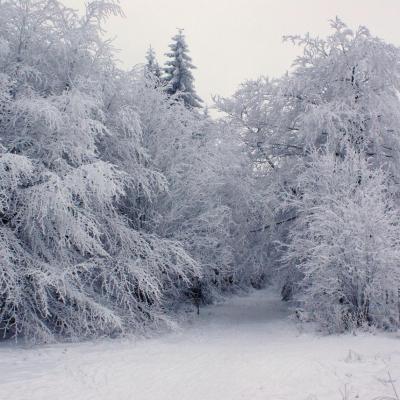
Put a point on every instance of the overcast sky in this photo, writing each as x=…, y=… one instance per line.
x=234, y=40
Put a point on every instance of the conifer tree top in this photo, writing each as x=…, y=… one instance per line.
x=152, y=65
x=178, y=75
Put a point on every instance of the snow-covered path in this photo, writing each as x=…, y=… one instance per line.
x=243, y=349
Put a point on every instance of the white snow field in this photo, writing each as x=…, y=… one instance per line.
x=246, y=348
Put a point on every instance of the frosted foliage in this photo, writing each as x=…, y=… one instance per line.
x=66, y=127
x=15, y=172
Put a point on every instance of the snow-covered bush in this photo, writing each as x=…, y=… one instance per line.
x=345, y=242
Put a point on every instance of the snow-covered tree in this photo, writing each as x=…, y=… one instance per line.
x=76, y=259
x=212, y=205
x=342, y=89
x=341, y=97
x=152, y=66
x=178, y=75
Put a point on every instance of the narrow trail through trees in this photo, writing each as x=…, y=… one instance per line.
x=245, y=348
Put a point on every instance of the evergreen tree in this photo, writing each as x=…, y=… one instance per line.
x=152, y=66
x=178, y=68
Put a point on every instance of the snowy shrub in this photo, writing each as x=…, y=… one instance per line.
x=345, y=243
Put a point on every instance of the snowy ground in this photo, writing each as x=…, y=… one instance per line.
x=243, y=349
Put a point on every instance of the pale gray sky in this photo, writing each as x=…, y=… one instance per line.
x=234, y=40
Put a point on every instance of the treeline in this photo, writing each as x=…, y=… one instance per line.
x=120, y=199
